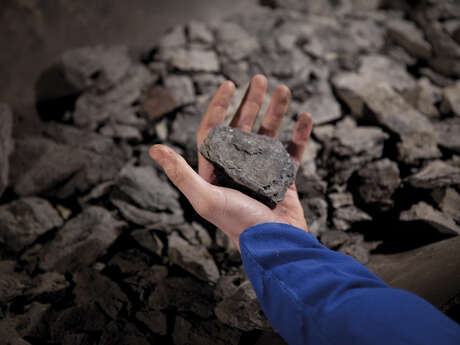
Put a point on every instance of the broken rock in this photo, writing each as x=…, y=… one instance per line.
x=448, y=133
x=142, y=187
x=186, y=294
x=234, y=42
x=451, y=99
x=194, y=60
x=182, y=89
x=241, y=310
x=435, y=174
x=43, y=166
x=194, y=259
x=448, y=201
x=81, y=241
x=348, y=147
x=407, y=35
x=425, y=213
x=23, y=221
x=377, y=183
x=251, y=162
x=210, y=332
x=315, y=211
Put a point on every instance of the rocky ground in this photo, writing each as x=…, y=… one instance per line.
x=97, y=247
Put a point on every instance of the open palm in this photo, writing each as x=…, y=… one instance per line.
x=230, y=210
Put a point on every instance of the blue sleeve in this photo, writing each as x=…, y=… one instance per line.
x=313, y=295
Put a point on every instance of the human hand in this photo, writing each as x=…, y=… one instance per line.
x=228, y=209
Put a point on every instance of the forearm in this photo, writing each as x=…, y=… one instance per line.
x=314, y=295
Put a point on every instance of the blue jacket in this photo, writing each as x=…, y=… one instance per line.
x=316, y=296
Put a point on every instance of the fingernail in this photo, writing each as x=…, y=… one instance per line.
x=230, y=85
x=156, y=152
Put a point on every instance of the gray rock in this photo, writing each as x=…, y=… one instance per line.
x=234, y=42
x=195, y=234
x=124, y=132
x=448, y=133
x=6, y=144
x=388, y=108
x=94, y=289
x=435, y=174
x=323, y=107
x=194, y=259
x=142, y=187
x=257, y=163
x=81, y=241
x=425, y=213
x=41, y=166
x=241, y=310
x=348, y=147
x=377, y=183
x=121, y=333
x=186, y=295
x=47, y=287
x=356, y=251
x=210, y=332
x=174, y=38
x=207, y=83
x=181, y=88
x=143, y=282
x=315, y=211
x=129, y=262
x=341, y=199
x=148, y=240
x=12, y=285
x=75, y=137
x=154, y=320
x=161, y=221
x=9, y=334
x=116, y=104
x=406, y=34
x=77, y=70
x=237, y=71
x=451, y=99
x=198, y=32
x=100, y=66
x=281, y=65
x=424, y=97
x=308, y=182
x=448, y=200
x=333, y=239
x=345, y=217
x=183, y=133
x=29, y=323
x=379, y=68
x=23, y=221
x=193, y=60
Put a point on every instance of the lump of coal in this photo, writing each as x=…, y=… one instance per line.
x=81, y=241
x=22, y=221
x=256, y=164
x=241, y=310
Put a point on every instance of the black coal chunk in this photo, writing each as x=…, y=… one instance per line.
x=255, y=164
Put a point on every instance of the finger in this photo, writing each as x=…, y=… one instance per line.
x=300, y=137
x=198, y=192
x=276, y=110
x=217, y=109
x=247, y=112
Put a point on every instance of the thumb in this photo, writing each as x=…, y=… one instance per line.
x=202, y=195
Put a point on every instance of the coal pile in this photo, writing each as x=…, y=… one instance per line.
x=97, y=247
